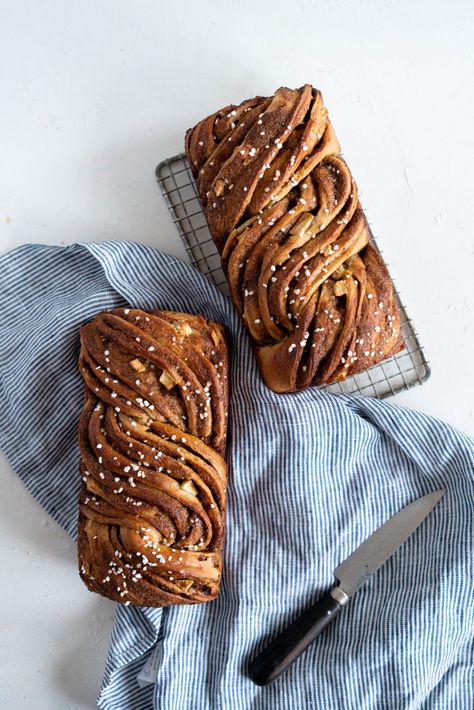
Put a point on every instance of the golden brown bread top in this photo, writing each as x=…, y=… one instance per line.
x=152, y=437
x=283, y=210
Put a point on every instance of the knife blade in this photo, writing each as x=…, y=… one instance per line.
x=351, y=575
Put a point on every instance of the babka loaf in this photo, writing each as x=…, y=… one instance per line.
x=152, y=438
x=283, y=210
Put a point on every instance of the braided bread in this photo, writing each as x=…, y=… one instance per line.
x=152, y=437
x=283, y=210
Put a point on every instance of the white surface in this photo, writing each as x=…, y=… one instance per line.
x=94, y=94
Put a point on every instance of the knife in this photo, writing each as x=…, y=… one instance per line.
x=351, y=575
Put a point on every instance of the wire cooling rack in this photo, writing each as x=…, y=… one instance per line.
x=406, y=369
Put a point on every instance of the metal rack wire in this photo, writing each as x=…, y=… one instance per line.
x=401, y=372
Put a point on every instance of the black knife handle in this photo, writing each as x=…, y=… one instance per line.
x=291, y=643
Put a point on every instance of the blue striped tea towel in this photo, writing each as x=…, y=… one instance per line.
x=311, y=476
